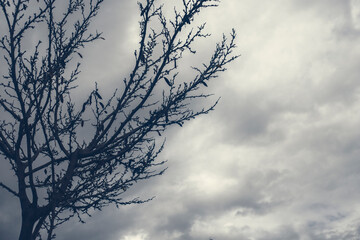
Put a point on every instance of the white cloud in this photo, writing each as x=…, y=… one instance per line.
x=137, y=236
x=355, y=13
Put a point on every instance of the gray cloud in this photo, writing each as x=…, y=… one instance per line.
x=278, y=159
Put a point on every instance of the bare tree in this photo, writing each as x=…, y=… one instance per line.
x=60, y=174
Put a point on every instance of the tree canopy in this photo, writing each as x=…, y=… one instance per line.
x=61, y=174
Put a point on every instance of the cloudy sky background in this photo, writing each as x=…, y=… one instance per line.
x=278, y=158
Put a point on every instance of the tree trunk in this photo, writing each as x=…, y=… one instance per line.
x=27, y=226
x=28, y=220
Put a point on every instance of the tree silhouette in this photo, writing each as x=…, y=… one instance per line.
x=60, y=174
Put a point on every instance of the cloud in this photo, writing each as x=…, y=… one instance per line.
x=277, y=159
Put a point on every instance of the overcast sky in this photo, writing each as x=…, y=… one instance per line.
x=279, y=158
